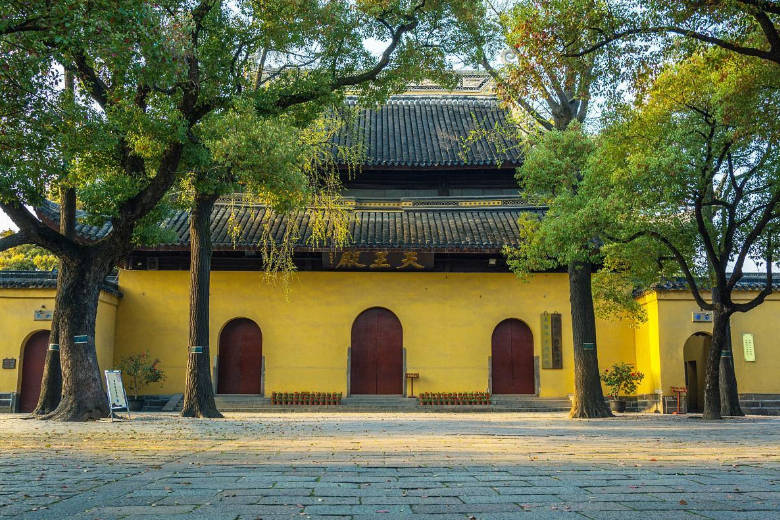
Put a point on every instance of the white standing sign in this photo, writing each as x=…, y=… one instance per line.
x=117, y=398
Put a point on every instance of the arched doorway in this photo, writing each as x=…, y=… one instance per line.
x=695, y=357
x=240, y=358
x=376, y=365
x=512, y=358
x=33, y=360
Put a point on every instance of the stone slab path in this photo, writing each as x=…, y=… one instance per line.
x=386, y=466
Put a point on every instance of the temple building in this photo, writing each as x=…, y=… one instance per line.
x=421, y=292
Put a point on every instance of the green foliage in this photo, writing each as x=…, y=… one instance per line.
x=690, y=176
x=621, y=379
x=657, y=30
x=141, y=370
x=550, y=176
x=26, y=258
x=232, y=94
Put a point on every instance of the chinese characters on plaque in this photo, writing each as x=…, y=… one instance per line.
x=352, y=259
x=552, y=338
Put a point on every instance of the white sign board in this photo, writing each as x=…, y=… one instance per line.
x=748, y=347
x=117, y=398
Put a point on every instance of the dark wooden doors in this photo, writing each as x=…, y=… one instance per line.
x=513, y=358
x=32, y=370
x=240, y=358
x=377, y=353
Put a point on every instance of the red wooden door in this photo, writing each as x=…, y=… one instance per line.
x=377, y=353
x=240, y=358
x=513, y=358
x=32, y=370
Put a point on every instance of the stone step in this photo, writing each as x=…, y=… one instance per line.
x=379, y=401
x=241, y=402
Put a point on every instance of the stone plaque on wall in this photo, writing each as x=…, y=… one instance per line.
x=9, y=363
x=552, y=340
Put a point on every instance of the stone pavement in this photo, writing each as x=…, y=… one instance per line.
x=431, y=466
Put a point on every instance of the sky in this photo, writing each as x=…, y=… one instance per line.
x=5, y=222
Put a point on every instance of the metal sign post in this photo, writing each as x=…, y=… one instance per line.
x=117, y=398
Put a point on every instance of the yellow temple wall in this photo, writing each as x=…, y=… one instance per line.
x=761, y=376
x=17, y=324
x=447, y=319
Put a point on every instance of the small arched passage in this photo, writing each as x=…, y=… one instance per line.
x=695, y=357
x=512, y=362
x=33, y=359
x=376, y=363
x=240, y=358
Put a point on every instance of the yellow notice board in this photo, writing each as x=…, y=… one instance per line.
x=748, y=347
x=552, y=347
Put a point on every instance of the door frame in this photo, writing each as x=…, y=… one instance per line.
x=215, y=365
x=535, y=361
x=349, y=351
x=20, y=365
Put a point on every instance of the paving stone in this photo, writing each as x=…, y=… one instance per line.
x=433, y=466
x=641, y=515
x=464, y=508
x=739, y=515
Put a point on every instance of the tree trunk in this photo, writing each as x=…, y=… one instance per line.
x=712, y=376
x=82, y=396
x=588, y=398
x=51, y=381
x=729, y=393
x=198, y=389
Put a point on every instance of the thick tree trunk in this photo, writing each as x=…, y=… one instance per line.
x=198, y=389
x=729, y=392
x=588, y=397
x=51, y=382
x=712, y=377
x=77, y=299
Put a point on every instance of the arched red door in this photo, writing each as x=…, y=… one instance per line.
x=32, y=370
x=240, y=358
x=513, y=358
x=377, y=353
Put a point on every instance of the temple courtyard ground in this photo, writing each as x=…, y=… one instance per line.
x=435, y=466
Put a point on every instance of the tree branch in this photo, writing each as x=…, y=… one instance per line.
x=39, y=233
x=768, y=287
x=678, y=256
x=531, y=111
x=96, y=87
x=17, y=239
x=747, y=51
x=371, y=74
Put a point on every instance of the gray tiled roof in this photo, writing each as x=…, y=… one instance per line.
x=433, y=132
x=50, y=211
x=431, y=224
x=45, y=280
x=748, y=282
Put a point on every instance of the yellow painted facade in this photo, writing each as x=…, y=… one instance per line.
x=447, y=319
x=17, y=323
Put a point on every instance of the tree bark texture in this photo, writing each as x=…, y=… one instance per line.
x=720, y=325
x=588, y=397
x=51, y=381
x=82, y=395
x=198, y=388
x=729, y=391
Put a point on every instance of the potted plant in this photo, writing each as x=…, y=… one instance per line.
x=140, y=370
x=621, y=380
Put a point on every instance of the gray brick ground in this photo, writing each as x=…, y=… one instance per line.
x=391, y=467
